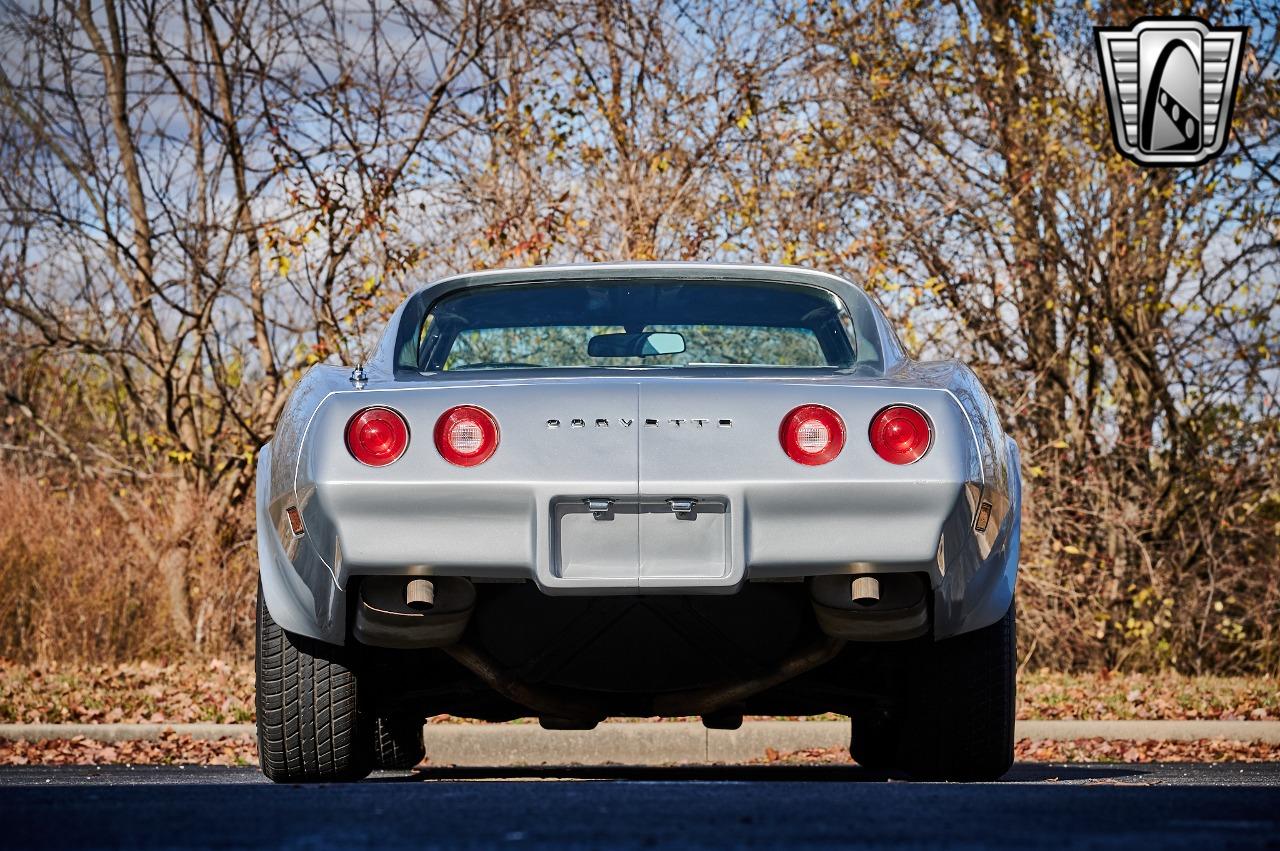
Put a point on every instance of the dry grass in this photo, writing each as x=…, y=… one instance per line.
x=1116, y=574
x=81, y=575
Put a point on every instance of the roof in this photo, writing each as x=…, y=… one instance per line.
x=641, y=269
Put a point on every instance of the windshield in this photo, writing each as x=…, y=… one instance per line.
x=636, y=323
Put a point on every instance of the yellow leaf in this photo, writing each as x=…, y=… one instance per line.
x=1072, y=551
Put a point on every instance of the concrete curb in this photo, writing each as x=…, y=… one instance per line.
x=639, y=743
x=657, y=743
x=1267, y=732
x=123, y=732
x=626, y=743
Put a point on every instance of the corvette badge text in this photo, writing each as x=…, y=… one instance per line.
x=624, y=422
x=1170, y=84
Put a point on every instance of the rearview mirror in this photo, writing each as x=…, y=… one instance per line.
x=639, y=345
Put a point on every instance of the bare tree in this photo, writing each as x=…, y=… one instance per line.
x=194, y=197
x=1128, y=316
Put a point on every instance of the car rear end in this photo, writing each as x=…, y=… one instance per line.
x=606, y=483
x=555, y=481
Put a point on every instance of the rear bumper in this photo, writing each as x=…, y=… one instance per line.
x=755, y=532
x=547, y=534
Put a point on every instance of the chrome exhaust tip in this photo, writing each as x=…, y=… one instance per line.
x=420, y=594
x=865, y=590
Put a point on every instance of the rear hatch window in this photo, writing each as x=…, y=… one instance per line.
x=630, y=324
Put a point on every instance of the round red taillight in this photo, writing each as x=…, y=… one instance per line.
x=901, y=435
x=812, y=434
x=377, y=436
x=466, y=435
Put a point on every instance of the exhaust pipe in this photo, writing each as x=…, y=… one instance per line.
x=865, y=590
x=420, y=594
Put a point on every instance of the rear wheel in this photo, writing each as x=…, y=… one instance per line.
x=309, y=725
x=397, y=742
x=957, y=721
x=873, y=741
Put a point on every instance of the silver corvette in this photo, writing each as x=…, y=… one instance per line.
x=634, y=490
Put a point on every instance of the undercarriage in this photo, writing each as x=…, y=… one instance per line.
x=573, y=661
x=919, y=707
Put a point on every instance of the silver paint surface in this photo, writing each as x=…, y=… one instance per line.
x=757, y=515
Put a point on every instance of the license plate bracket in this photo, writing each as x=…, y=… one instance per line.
x=685, y=545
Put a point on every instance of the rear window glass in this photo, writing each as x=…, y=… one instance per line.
x=635, y=324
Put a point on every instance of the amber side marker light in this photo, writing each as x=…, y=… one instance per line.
x=900, y=434
x=983, y=518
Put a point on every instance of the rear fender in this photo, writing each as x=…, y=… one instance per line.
x=298, y=588
x=976, y=588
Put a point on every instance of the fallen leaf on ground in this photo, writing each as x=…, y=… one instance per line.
x=1082, y=750
x=171, y=749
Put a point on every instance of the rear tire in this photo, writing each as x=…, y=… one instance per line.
x=309, y=724
x=397, y=742
x=873, y=741
x=957, y=722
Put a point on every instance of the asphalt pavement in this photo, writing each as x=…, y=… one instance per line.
x=1036, y=805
